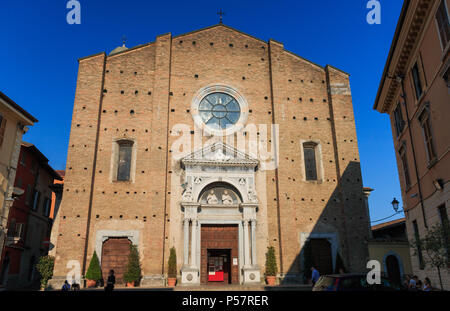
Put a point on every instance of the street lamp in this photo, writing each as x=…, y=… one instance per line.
x=395, y=205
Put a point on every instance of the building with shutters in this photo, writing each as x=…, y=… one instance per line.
x=13, y=124
x=415, y=92
x=218, y=144
x=29, y=221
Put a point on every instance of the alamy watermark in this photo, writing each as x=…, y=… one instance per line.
x=74, y=15
x=374, y=275
x=374, y=15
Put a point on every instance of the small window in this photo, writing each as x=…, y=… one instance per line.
x=404, y=160
x=417, y=81
x=424, y=120
x=2, y=129
x=419, y=248
x=309, y=152
x=47, y=203
x=398, y=120
x=28, y=196
x=443, y=24
x=124, y=161
x=36, y=198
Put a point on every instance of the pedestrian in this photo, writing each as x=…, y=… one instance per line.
x=419, y=285
x=314, y=275
x=427, y=285
x=413, y=282
x=66, y=286
x=110, y=282
x=75, y=286
x=407, y=280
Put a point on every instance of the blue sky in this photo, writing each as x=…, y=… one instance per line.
x=38, y=59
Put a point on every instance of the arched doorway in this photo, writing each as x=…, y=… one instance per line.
x=393, y=269
x=115, y=252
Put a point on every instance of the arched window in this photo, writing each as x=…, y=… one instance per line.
x=124, y=160
x=309, y=155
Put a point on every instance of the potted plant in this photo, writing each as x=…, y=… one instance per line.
x=45, y=269
x=94, y=273
x=172, y=273
x=271, y=266
x=133, y=271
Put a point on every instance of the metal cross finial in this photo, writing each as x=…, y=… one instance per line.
x=220, y=13
x=124, y=40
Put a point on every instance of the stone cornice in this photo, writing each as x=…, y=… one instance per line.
x=411, y=24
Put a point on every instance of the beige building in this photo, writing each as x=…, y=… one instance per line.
x=415, y=92
x=389, y=246
x=13, y=124
x=218, y=144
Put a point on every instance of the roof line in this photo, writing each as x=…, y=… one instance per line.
x=17, y=107
x=92, y=55
x=43, y=159
x=346, y=73
x=131, y=49
x=392, y=50
x=216, y=25
x=213, y=26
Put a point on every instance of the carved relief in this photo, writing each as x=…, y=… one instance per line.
x=187, y=194
x=226, y=198
x=212, y=199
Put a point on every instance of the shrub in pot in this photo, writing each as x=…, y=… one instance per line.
x=133, y=271
x=271, y=266
x=94, y=273
x=172, y=273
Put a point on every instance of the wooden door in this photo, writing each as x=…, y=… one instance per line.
x=115, y=252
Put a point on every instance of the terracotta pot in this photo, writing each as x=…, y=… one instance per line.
x=271, y=280
x=171, y=282
x=91, y=283
x=130, y=284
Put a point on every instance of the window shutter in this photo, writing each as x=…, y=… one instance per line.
x=443, y=24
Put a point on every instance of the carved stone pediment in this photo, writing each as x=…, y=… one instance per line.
x=219, y=154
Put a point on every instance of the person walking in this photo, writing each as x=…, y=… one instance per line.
x=110, y=282
x=314, y=275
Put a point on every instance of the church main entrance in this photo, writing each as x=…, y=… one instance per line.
x=219, y=254
x=219, y=268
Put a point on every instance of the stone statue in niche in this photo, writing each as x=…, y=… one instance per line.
x=211, y=198
x=226, y=198
x=187, y=194
x=252, y=198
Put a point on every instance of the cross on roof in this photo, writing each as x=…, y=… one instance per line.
x=220, y=13
x=124, y=40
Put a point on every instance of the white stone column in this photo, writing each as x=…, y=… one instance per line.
x=246, y=245
x=193, y=242
x=186, y=241
x=253, y=228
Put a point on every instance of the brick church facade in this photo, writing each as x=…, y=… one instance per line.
x=218, y=144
